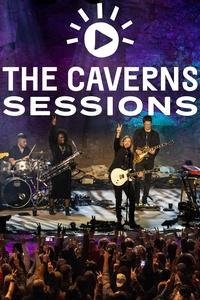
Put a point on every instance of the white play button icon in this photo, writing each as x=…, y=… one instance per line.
x=101, y=39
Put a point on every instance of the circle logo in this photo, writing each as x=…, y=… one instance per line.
x=101, y=39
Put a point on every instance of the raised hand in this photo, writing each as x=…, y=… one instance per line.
x=45, y=256
x=50, y=267
x=119, y=129
x=134, y=274
x=106, y=255
x=54, y=120
x=99, y=277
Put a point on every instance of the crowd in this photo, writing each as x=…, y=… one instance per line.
x=140, y=265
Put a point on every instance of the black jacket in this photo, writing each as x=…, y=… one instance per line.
x=123, y=157
x=141, y=139
x=57, y=154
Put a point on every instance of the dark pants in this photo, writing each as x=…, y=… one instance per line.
x=146, y=164
x=128, y=188
x=61, y=186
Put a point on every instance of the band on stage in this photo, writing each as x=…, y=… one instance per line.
x=134, y=153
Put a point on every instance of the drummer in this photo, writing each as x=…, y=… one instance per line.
x=20, y=150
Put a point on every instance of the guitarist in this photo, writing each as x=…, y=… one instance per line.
x=145, y=136
x=124, y=159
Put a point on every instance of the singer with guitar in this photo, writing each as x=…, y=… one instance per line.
x=124, y=159
x=145, y=138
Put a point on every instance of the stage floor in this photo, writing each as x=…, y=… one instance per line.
x=103, y=208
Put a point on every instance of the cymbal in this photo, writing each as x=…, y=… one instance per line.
x=39, y=152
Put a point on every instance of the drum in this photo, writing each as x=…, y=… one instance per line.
x=37, y=165
x=16, y=192
x=22, y=167
x=5, y=167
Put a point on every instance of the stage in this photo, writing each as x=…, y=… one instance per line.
x=102, y=207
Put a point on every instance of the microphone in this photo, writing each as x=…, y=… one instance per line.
x=74, y=145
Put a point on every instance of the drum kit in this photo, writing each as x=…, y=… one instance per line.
x=21, y=185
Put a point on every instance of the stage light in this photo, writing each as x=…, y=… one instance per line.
x=3, y=220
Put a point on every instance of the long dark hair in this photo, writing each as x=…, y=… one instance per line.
x=62, y=131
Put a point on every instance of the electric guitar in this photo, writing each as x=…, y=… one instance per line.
x=119, y=176
x=3, y=155
x=145, y=151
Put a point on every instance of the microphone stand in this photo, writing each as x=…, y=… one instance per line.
x=35, y=202
x=127, y=205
